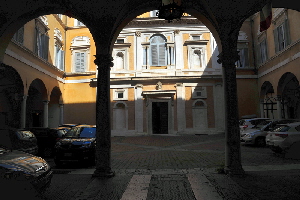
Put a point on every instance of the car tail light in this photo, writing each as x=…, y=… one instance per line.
x=245, y=126
x=57, y=139
x=282, y=135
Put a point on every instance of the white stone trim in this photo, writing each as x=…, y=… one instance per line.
x=78, y=81
x=277, y=66
x=247, y=76
x=121, y=86
x=33, y=65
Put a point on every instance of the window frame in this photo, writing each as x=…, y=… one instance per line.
x=124, y=91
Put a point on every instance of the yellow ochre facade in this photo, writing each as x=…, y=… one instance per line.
x=166, y=78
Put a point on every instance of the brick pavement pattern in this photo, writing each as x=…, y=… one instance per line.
x=178, y=167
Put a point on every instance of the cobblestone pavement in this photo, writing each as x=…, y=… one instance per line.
x=178, y=167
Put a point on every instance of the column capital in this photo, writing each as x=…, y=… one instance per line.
x=104, y=60
x=46, y=102
x=179, y=85
x=176, y=32
x=278, y=98
x=139, y=86
x=138, y=33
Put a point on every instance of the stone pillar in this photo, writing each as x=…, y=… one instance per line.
x=139, y=108
x=23, y=112
x=45, y=124
x=219, y=107
x=103, y=148
x=138, y=51
x=181, y=123
x=228, y=57
x=262, y=113
x=178, y=50
x=278, y=101
x=61, y=113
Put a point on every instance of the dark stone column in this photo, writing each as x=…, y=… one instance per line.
x=228, y=57
x=103, y=147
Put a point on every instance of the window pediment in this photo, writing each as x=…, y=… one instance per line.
x=196, y=42
x=80, y=42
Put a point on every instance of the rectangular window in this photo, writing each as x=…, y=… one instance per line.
x=196, y=37
x=19, y=35
x=263, y=51
x=120, y=94
x=281, y=36
x=80, y=61
x=243, y=61
x=42, y=44
x=120, y=41
x=59, y=58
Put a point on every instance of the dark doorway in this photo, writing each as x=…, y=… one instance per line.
x=160, y=117
x=36, y=119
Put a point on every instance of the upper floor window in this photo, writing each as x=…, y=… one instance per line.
x=80, y=52
x=262, y=51
x=78, y=23
x=41, y=40
x=59, y=53
x=60, y=16
x=281, y=36
x=158, y=51
x=243, y=61
x=19, y=35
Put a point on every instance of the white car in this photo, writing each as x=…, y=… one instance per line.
x=249, y=123
x=283, y=136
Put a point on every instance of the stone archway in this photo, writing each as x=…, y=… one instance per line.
x=54, y=108
x=288, y=89
x=268, y=102
x=35, y=104
x=11, y=91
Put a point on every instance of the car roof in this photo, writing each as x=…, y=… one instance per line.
x=290, y=124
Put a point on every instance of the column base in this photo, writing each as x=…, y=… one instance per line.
x=234, y=172
x=103, y=174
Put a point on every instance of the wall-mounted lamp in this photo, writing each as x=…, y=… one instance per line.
x=170, y=10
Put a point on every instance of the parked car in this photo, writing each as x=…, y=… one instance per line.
x=249, y=123
x=78, y=145
x=20, y=171
x=46, y=138
x=283, y=136
x=68, y=125
x=257, y=134
x=19, y=139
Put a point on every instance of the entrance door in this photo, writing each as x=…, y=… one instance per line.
x=160, y=117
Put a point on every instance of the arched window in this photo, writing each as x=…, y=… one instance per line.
x=158, y=51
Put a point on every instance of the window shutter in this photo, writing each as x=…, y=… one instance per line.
x=36, y=45
x=287, y=32
x=77, y=62
x=80, y=61
x=45, y=46
x=276, y=40
x=258, y=53
x=162, y=54
x=62, y=55
x=154, y=55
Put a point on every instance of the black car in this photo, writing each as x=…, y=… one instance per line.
x=22, y=173
x=78, y=145
x=47, y=137
x=18, y=139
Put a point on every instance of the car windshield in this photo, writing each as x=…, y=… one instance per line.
x=261, y=124
x=281, y=128
x=82, y=132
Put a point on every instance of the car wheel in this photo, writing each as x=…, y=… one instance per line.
x=260, y=141
x=58, y=163
x=47, y=152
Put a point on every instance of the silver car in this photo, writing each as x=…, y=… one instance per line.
x=257, y=134
x=250, y=123
x=282, y=137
